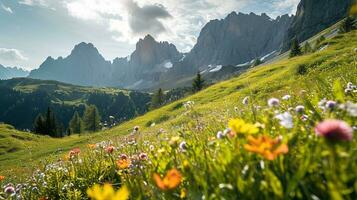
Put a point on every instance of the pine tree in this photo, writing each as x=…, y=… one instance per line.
x=257, y=62
x=76, y=124
x=39, y=125
x=295, y=49
x=198, y=83
x=157, y=99
x=51, y=127
x=91, y=119
x=307, y=48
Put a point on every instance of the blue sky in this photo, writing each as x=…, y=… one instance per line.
x=31, y=30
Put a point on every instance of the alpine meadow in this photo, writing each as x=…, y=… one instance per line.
x=211, y=103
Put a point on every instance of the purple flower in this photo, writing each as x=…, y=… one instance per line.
x=299, y=109
x=334, y=130
x=286, y=97
x=245, y=100
x=331, y=104
x=9, y=190
x=273, y=102
x=183, y=146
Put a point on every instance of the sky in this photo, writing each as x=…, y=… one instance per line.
x=32, y=30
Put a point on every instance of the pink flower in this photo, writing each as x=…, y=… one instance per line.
x=334, y=130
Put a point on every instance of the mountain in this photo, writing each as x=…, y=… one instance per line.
x=146, y=65
x=237, y=39
x=84, y=66
x=313, y=16
x=12, y=72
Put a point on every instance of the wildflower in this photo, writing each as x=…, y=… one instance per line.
x=143, y=156
x=136, y=128
x=183, y=193
x=74, y=152
x=220, y=135
x=322, y=104
x=286, y=97
x=286, y=120
x=171, y=180
x=174, y=141
x=123, y=156
x=245, y=101
x=186, y=164
x=10, y=190
x=238, y=126
x=91, y=146
x=183, y=146
x=304, y=117
x=107, y=192
x=273, y=102
x=299, y=109
x=265, y=146
x=334, y=130
x=110, y=149
x=2, y=178
x=331, y=104
x=151, y=147
x=351, y=109
x=226, y=131
x=123, y=163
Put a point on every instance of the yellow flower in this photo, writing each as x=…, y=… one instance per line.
x=239, y=126
x=170, y=181
x=91, y=146
x=107, y=192
x=183, y=194
x=267, y=147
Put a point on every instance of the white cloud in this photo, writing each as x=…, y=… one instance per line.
x=290, y=5
x=34, y=2
x=12, y=55
x=7, y=9
x=176, y=21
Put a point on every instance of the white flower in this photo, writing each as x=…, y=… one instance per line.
x=183, y=146
x=226, y=131
x=351, y=108
x=299, y=109
x=273, y=102
x=245, y=100
x=286, y=97
x=220, y=135
x=286, y=120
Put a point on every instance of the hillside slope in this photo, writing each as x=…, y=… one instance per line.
x=216, y=103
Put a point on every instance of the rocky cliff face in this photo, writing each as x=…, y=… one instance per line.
x=84, y=66
x=313, y=16
x=146, y=65
x=237, y=39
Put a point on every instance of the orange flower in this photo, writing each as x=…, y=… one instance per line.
x=123, y=163
x=2, y=178
x=109, y=149
x=74, y=152
x=91, y=146
x=170, y=181
x=266, y=146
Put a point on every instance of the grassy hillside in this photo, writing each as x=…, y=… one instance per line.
x=314, y=74
x=23, y=99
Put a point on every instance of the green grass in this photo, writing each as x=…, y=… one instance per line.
x=21, y=152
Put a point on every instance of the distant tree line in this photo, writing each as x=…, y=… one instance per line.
x=21, y=109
